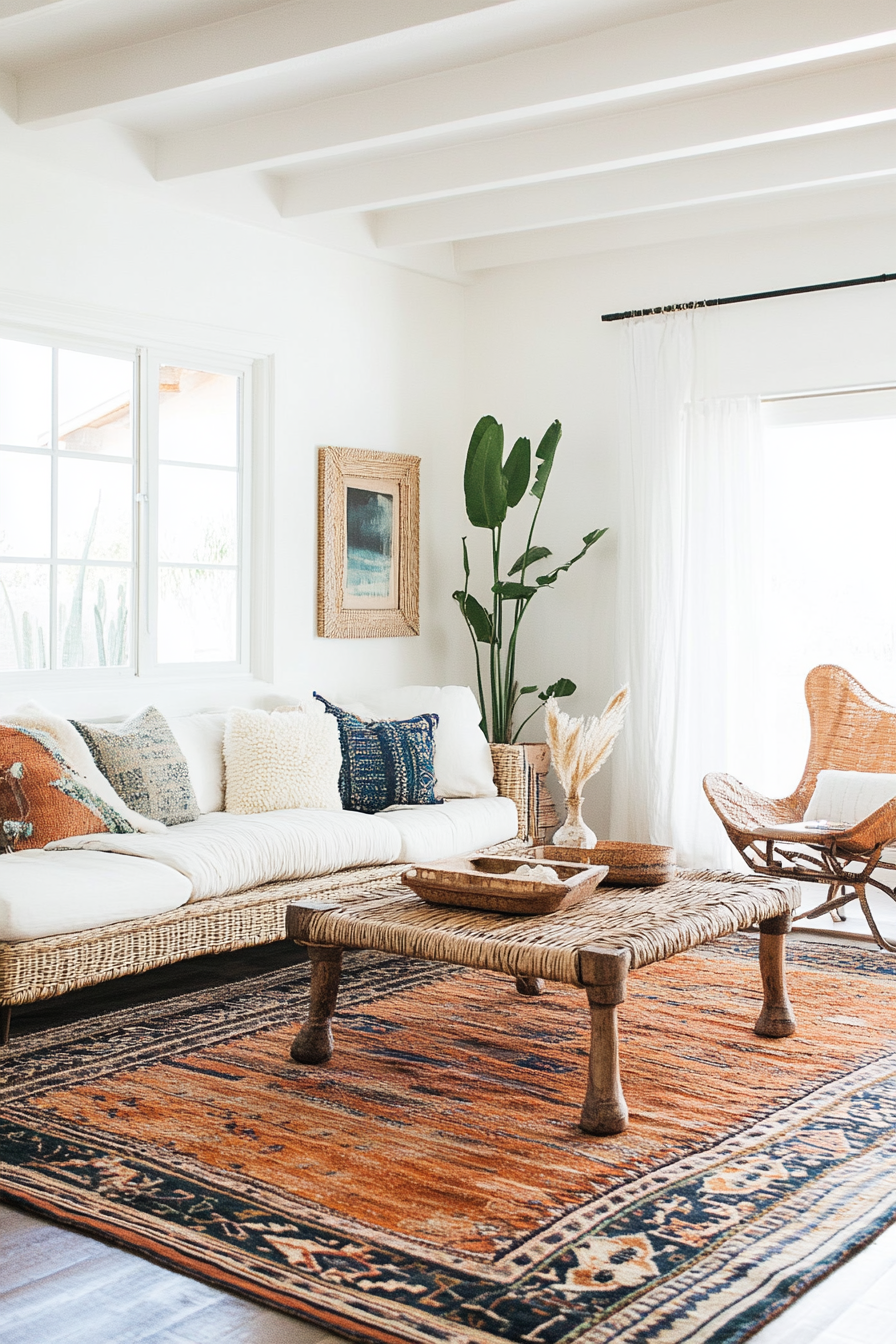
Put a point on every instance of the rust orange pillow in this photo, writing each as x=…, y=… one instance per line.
x=60, y=803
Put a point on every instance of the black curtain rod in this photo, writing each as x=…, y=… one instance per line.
x=747, y=298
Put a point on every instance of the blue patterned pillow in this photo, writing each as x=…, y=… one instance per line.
x=387, y=762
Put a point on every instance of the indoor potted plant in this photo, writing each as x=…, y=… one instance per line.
x=493, y=485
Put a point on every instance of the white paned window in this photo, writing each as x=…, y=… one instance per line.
x=830, y=467
x=123, y=507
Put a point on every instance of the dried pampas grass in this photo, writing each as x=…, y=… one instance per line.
x=579, y=747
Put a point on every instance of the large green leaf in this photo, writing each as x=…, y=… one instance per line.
x=558, y=689
x=529, y=558
x=513, y=590
x=486, y=492
x=475, y=438
x=544, y=579
x=478, y=617
x=545, y=454
x=516, y=471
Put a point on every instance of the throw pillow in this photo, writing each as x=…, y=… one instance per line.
x=385, y=763
x=277, y=761
x=201, y=739
x=77, y=755
x=60, y=804
x=463, y=761
x=844, y=797
x=144, y=764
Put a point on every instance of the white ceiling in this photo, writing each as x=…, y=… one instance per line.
x=452, y=135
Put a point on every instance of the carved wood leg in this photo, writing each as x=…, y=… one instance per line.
x=314, y=1042
x=530, y=985
x=604, y=973
x=5, y=1022
x=776, y=1018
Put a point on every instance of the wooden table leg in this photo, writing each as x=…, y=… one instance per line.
x=776, y=1018
x=604, y=972
x=5, y=1022
x=530, y=985
x=314, y=1042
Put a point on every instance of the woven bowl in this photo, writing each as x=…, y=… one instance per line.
x=630, y=865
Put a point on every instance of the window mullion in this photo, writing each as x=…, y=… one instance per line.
x=52, y=633
x=145, y=651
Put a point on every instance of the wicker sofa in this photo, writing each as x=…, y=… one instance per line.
x=41, y=968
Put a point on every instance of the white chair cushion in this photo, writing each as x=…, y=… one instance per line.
x=201, y=739
x=43, y=893
x=221, y=853
x=454, y=827
x=274, y=762
x=463, y=761
x=847, y=796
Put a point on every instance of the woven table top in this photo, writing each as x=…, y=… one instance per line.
x=653, y=923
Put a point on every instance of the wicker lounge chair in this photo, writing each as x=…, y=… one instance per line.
x=851, y=730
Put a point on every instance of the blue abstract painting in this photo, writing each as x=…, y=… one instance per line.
x=369, y=526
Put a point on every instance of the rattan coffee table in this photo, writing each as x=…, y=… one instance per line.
x=594, y=944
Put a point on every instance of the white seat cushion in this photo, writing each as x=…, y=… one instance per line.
x=457, y=826
x=43, y=893
x=463, y=760
x=847, y=796
x=221, y=853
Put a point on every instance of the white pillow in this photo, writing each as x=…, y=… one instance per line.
x=201, y=739
x=463, y=761
x=275, y=761
x=845, y=797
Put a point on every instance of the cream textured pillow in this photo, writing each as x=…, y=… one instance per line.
x=274, y=761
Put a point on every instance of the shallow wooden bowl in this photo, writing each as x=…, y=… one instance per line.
x=630, y=865
x=487, y=882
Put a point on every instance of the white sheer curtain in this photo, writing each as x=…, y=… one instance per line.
x=690, y=562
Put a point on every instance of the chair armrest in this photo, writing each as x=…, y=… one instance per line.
x=743, y=811
x=513, y=777
x=877, y=829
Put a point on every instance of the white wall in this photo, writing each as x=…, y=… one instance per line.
x=364, y=355
x=536, y=349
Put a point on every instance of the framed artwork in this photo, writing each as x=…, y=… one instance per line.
x=368, y=544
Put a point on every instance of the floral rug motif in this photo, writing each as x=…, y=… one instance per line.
x=431, y=1184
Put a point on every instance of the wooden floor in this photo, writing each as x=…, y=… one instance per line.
x=61, y=1287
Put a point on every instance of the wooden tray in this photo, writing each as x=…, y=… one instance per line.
x=487, y=882
x=630, y=865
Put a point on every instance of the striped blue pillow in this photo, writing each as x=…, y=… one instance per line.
x=385, y=763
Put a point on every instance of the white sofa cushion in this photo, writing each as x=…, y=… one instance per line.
x=281, y=761
x=43, y=894
x=201, y=739
x=463, y=761
x=457, y=826
x=221, y=853
x=847, y=796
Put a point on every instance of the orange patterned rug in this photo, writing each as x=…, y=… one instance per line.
x=431, y=1182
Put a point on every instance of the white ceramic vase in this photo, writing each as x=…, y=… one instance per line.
x=574, y=834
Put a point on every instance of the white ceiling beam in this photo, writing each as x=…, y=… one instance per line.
x=783, y=166
x=251, y=44
x=14, y=9
x=862, y=202
x=717, y=121
x=676, y=51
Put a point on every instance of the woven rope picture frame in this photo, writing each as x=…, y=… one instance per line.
x=368, y=547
